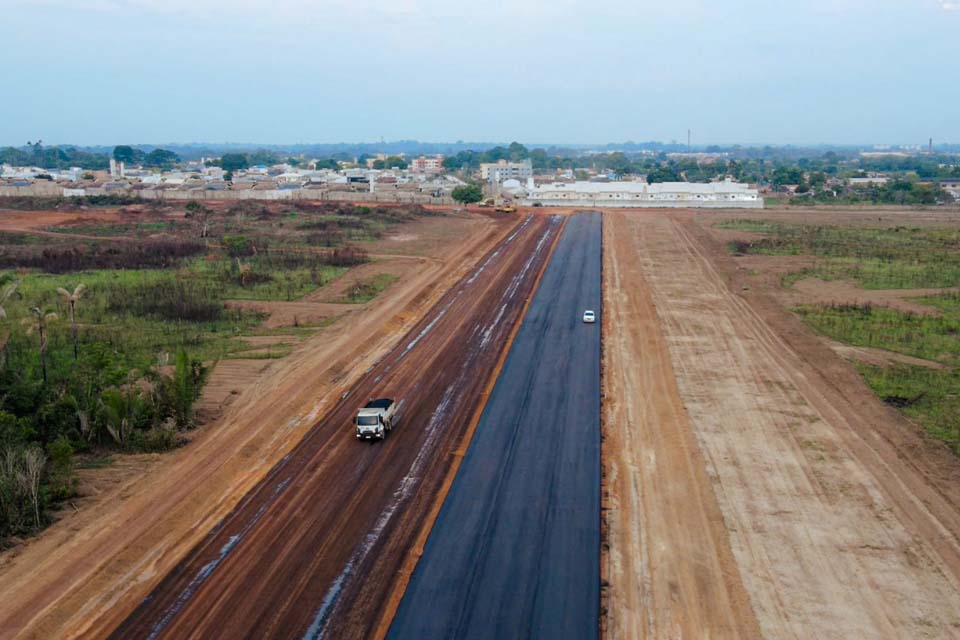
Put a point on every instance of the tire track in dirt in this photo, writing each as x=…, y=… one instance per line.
x=84, y=574
x=313, y=549
x=832, y=538
x=670, y=568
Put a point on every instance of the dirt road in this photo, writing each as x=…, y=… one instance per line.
x=839, y=526
x=313, y=549
x=671, y=570
x=89, y=570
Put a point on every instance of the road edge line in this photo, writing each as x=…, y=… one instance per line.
x=603, y=614
x=405, y=573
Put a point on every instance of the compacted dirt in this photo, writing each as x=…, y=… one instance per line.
x=837, y=517
x=87, y=571
x=670, y=566
x=314, y=548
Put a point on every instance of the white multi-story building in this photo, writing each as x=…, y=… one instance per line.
x=503, y=170
x=724, y=194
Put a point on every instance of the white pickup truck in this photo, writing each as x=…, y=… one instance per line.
x=375, y=419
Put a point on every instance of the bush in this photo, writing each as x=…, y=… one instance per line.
x=467, y=194
x=238, y=246
x=168, y=299
x=118, y=255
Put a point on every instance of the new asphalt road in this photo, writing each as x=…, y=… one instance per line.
x=514, y=552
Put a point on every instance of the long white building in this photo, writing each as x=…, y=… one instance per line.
x=717, y=195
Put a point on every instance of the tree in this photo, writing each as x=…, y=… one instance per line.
x=127, y=154
x=33, y=463
x=161, y=158
x=234, y=162
x=71, y=299
x=182, y=390
x=467, y=194
x=119, y=410
x=201, y=213
x=43, y=317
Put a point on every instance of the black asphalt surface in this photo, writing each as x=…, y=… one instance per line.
x=515, y=550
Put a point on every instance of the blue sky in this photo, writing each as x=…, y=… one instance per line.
x=576, y=71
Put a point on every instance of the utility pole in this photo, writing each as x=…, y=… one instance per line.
x=688, y=141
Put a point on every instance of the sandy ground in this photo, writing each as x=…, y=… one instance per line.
x=670, y=567
x=107, y=556
x=842, y=518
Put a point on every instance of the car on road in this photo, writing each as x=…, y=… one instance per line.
x=589, y=316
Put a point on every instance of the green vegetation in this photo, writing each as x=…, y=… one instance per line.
x=929, y=396
x=883, y=258
x=467, y=194
x=876, y=258
x=366, y=290
x=35, y=154
x=84, y=366
x=160, y=158
x=105, y=344
x=136, y=229
x=924, y=336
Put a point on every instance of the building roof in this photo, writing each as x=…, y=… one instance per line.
x=643, y=187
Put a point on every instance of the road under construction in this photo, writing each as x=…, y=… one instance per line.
x=316, y=548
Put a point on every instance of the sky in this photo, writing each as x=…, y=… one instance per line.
x=538, y=71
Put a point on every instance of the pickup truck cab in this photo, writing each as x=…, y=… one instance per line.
x=375, y=419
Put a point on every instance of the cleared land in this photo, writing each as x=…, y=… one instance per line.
x=670, y=567
x=841, y=518
x=103, y=559
x=514, y=552
x=315, y=546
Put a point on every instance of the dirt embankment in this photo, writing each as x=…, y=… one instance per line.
x=106, y=557
x=843, y=520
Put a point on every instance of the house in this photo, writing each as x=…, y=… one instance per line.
x=951, y=186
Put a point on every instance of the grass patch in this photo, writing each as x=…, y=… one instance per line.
x=928, y=337
x=876, y=258
x=366, y=290
x=273, y=352
x=136, y=314
x=931, y=397
x=948, y=303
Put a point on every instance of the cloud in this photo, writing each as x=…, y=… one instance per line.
x=948, y=5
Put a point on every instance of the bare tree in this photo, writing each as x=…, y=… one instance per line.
x=41, y=319
x=71, y=299
x=243, y=271
x=201, y=213
x=33, y=463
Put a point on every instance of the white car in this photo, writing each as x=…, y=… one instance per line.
x=589, y=316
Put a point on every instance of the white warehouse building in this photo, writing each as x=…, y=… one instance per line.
x=719, y=195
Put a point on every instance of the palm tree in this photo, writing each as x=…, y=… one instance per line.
x=71, y=299
x=42, y=318
x=118, y=410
